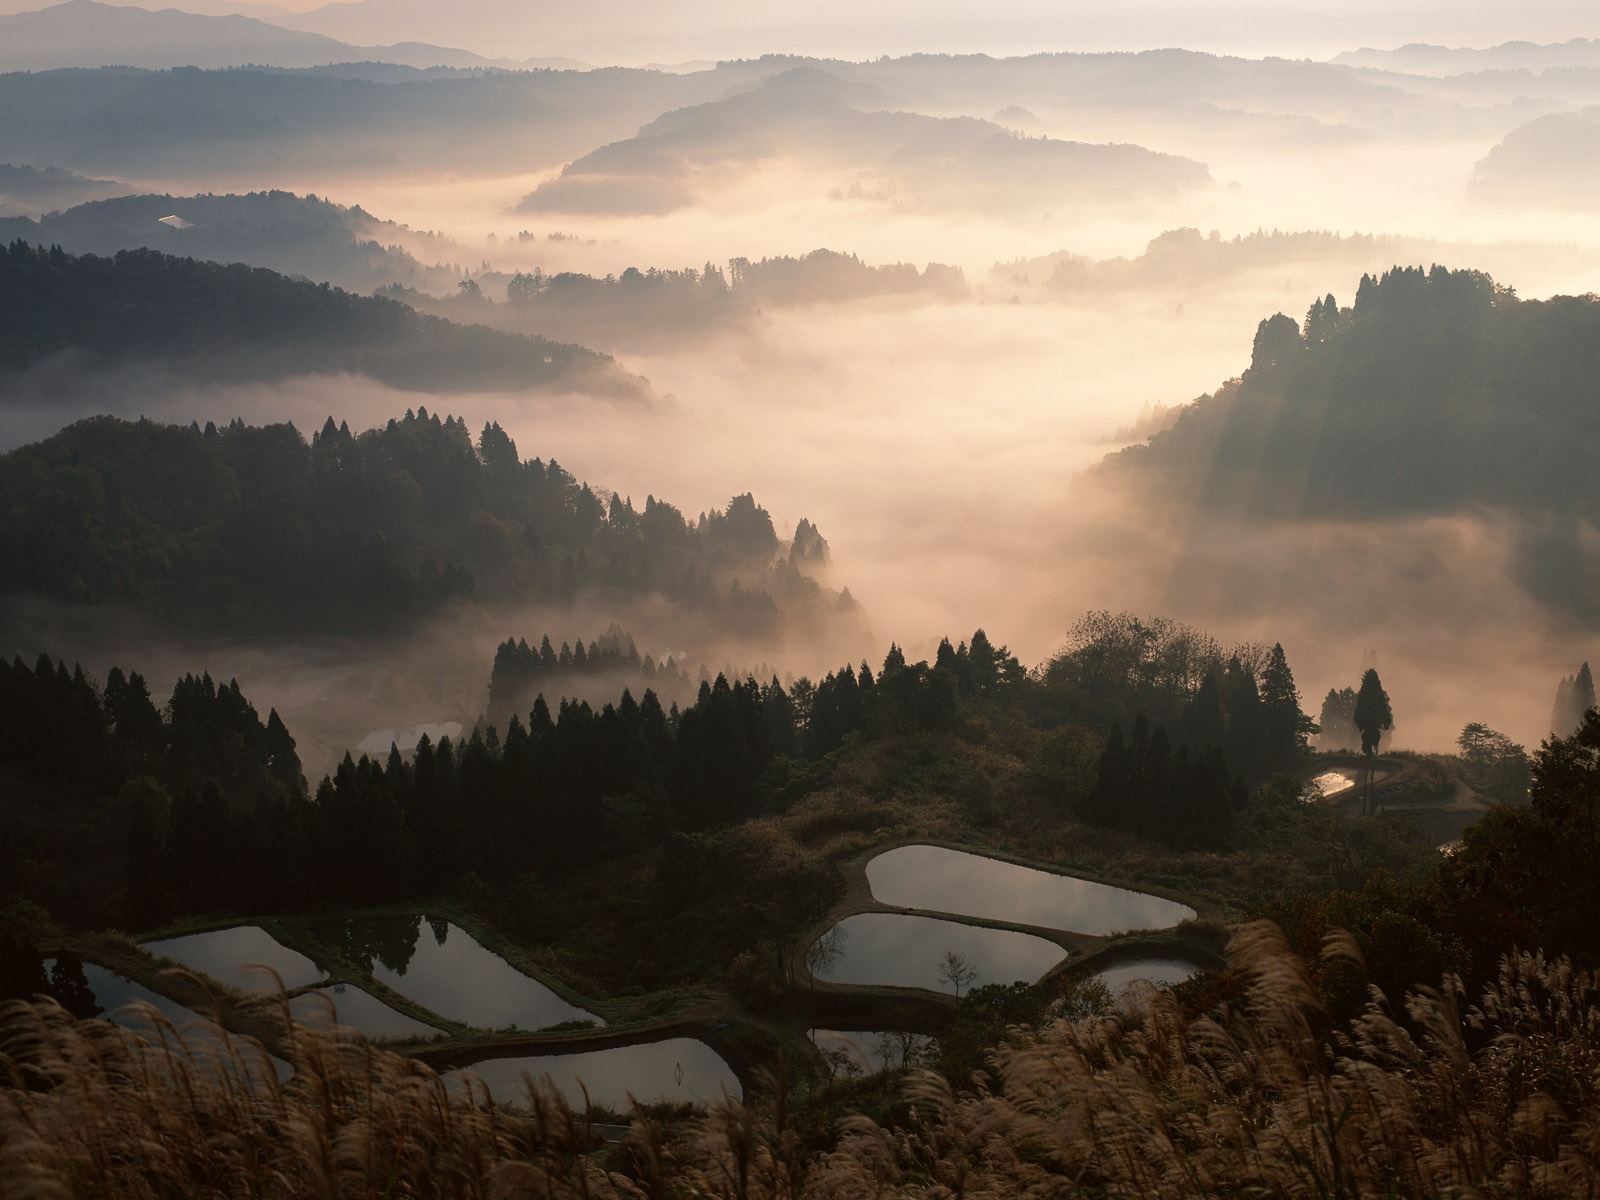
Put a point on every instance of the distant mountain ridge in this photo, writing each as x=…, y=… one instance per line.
x=849, y=125
x=1422, y=58
x=87, y=33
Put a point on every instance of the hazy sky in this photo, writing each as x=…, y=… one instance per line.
x=637, y=31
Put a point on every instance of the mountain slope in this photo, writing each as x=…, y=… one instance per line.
x=294, y=235
x=242, y=323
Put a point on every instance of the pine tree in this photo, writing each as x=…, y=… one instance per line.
x=1284, y=728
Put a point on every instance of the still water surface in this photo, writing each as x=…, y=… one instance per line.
x=906, y=950
x=953, y=881
x=1159, y=971
x=353, y=1008
x=224, y=953
x=676, y=1070
x=443, y=968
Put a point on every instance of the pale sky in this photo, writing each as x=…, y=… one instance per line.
x=637, y=31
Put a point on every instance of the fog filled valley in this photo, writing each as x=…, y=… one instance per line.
x=551, y=511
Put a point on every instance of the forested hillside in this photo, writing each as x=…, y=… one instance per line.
x=242, y=323
x=1435, y=391
x=250, y=529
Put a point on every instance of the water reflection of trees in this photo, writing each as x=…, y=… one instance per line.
x=390, y=940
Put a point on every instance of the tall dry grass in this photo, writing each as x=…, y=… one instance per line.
x=1498, y=1099
x=1441, y=1099
x=88, y=1109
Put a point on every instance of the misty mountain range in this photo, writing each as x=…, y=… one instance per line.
x=647, y=141
x=808, y=115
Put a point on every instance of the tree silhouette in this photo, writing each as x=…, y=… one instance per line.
x=955, y=970
x=1373, y=717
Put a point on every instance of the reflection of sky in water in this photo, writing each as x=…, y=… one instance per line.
x=648, y=1070
x=951, y=881
x=1331, y=783
x=222, y=954
x=1155, y=970
x=357, y=1010
x=904, y=950
x=459, y=979
x=871, y=1051
x=201, y=1036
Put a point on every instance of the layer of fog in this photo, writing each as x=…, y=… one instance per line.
x=935, y=444
x=935, y=447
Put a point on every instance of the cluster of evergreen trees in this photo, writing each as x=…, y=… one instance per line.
x=225, y=529
x=59, y=726
x=521, y=672
x=1179, y=794
x=103, y=788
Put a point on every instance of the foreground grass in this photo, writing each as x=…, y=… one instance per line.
x=1497, y=1098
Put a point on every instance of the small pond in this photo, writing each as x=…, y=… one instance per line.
x=906, y=951
x=676, y=1070
x=443, y=968
x=202, y=1037
x=224, y=953
x=867, y=1052
x=1159, y=971
x=353, y=1008
x=956, y=882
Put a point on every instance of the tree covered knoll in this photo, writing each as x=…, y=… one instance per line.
x=250, y=529
x=237, y=322
x=295, y=235
x=1437, y=391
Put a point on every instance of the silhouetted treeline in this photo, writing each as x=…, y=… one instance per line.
x=246, y=530
x=106, y=794
x=238, y=322
x=56, y=724
x=198, y=807
x=1116, y=667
